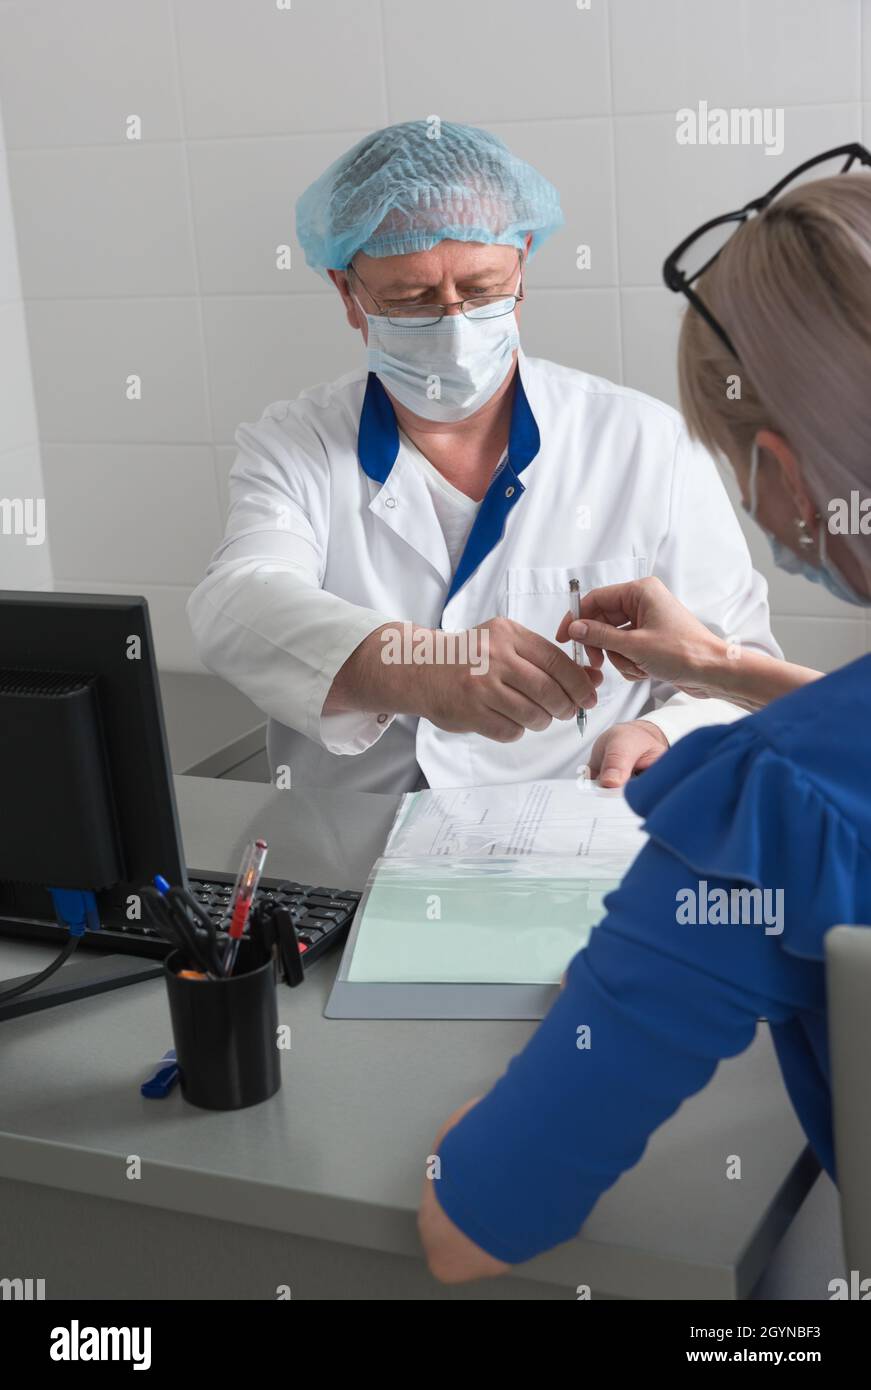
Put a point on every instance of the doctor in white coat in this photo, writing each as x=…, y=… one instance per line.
x=400, y=542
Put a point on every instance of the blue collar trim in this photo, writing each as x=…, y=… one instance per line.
x=378, y=432
x=378, y=447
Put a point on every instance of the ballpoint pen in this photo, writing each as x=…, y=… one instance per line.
x=179, y=935
x=577, y=648
x=183, y=923
x=243, y=896
x=184, y=907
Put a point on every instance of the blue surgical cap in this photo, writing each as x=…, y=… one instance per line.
x=410, y=186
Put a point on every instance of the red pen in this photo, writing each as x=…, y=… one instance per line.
x=243, y=897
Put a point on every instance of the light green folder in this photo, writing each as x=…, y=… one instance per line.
x=511, y=920
x=491, y=890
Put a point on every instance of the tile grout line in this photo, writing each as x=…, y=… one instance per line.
x=198, y=292
x=647, y=114
x=230, y=295
x=615, y=223
x=385, y=85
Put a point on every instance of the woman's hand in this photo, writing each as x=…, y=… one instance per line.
x=451, y=1256
x=647, y=633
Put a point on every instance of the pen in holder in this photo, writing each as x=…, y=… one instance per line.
x=225, y=1031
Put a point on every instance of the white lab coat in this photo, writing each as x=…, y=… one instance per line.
x=318, y=553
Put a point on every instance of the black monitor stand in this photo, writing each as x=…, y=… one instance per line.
x=77, y=979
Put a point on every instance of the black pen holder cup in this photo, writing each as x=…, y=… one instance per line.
x=225, y=1033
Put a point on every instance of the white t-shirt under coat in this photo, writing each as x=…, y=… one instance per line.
x=455, y=510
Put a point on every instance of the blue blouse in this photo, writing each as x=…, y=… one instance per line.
x=780, y=801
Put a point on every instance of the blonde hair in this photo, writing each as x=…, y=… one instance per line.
x=792, y=289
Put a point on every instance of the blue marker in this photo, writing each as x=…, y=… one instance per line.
x=161, y=1083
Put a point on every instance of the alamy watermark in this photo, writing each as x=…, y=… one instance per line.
x=850, y=517
x=737, y=125
x=728, y=907
x=408, y=645
x=23, y=1290
x=23, y=516
x=85, y=1343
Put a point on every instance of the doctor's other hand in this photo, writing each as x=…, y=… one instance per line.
x=525, y=683
x=647, y=633
x=625, y=749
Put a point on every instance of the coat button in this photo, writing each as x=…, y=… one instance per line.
x=509, y=492
x=383, y=718
x=390, y=502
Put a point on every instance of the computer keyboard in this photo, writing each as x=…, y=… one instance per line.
x=321, y=917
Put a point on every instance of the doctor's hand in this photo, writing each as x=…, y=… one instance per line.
x=525, y=683
x=647, y=633
x=625, y=749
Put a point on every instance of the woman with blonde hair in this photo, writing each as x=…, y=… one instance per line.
x=775, y=375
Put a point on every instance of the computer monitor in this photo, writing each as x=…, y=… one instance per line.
x=86, y=793
x=87, y=808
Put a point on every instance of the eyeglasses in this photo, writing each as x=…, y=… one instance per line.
x=697, y=252
x=479, y=306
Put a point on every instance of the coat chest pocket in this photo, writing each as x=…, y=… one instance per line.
x=539, y=599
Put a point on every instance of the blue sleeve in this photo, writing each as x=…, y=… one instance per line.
x=663, y=1003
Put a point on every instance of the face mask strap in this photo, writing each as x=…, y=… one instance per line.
x=367, y=316
x=829, y=576
x=804, y=539
x=823, y=547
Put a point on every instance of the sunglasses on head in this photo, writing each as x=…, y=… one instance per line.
x=698, y=252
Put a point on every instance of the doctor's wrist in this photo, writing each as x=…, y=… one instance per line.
x=381, y=674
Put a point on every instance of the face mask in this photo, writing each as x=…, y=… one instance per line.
x=442, y=371
x=786, y=559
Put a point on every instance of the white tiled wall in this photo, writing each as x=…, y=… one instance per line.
x=22, y=565
x=157, y=257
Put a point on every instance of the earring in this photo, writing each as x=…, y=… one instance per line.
x=803, y=537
